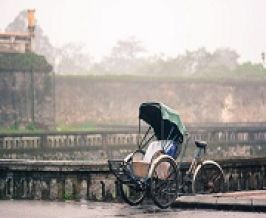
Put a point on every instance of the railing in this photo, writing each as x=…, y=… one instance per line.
x=226, y=139
x=65, y=180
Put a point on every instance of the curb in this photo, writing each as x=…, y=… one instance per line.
x=222, y=202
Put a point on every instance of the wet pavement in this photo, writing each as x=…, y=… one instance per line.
x=242, y=200
x=46, y=209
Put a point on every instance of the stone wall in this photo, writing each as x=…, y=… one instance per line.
x=224, y=141
x=111, y=101
x=77, y=180
x=17, y=107
x=82, y=99
x=55, y=180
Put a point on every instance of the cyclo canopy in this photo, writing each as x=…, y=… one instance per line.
x=165, y=121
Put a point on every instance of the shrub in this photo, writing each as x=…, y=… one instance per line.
x=14, y=62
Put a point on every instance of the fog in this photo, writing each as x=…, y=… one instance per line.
x=168, y=27
x=208, y=40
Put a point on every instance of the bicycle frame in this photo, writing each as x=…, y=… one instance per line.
x=196, y=161
x=200, y=152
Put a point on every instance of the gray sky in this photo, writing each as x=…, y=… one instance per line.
x=164, y=26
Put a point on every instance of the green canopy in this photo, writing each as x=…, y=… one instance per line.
x=164, y=120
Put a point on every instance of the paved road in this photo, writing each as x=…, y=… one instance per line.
x=45, y=209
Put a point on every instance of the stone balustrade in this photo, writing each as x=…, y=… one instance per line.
x=54, y=180
x=82, y=180
x=31, y=179
x=229, y=140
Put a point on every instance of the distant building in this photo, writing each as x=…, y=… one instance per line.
x=27, y=96
x=18, y=42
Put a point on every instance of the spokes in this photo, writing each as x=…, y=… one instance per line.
x=164, y=183
x=216, y=181
x=209, y=179
x=132, y=193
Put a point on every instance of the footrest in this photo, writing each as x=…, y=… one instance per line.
x=120, y=169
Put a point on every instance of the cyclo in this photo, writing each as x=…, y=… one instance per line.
x=160, y=178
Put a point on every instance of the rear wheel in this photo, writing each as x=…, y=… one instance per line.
x=208, y=178
x=164, y=182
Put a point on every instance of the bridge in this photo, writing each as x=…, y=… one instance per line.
x=72, y=165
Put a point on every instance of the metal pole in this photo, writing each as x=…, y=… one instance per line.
x=139, y=134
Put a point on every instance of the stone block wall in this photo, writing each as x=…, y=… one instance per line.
x=82, y=99
x=75, y=180
x=26, y=98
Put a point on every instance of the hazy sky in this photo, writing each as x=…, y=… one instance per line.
x=164, y=26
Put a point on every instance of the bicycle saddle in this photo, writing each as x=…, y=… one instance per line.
x=201, y=144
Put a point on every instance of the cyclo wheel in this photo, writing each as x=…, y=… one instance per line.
x=132, y=191
x=208, y=178
x=163, y=182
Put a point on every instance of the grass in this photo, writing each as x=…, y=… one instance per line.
x=8, y=130
x=77, y=127
x=233, y=77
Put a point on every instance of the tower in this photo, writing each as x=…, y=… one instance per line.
x=31, y=27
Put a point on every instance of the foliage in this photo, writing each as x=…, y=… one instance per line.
x=42, y=44
x=77, y=127
x=68, y=197
x=14, y=126
x=23, y=63
x=125, y=58
x=250, y=70
x=31, y=126
x=72, y=58
x=129, y=57
x=198, y=64
x=17, y=128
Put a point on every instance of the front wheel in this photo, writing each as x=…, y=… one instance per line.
x=133, y=190
x=132, y=193
x=208, y=178
x=163, y=182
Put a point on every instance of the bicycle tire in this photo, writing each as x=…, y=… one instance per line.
x=208, y=178
x=164, y=188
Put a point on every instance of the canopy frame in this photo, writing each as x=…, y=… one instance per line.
x=163, y=120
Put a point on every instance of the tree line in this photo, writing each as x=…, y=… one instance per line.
x=129, y=57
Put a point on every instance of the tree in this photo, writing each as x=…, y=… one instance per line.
x=250, y=70
x=127, y=49
x=19, y=24
x=72, y=58
x=225, y=57
x=125, y=57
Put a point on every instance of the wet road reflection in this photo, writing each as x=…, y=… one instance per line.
x=45, y=209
